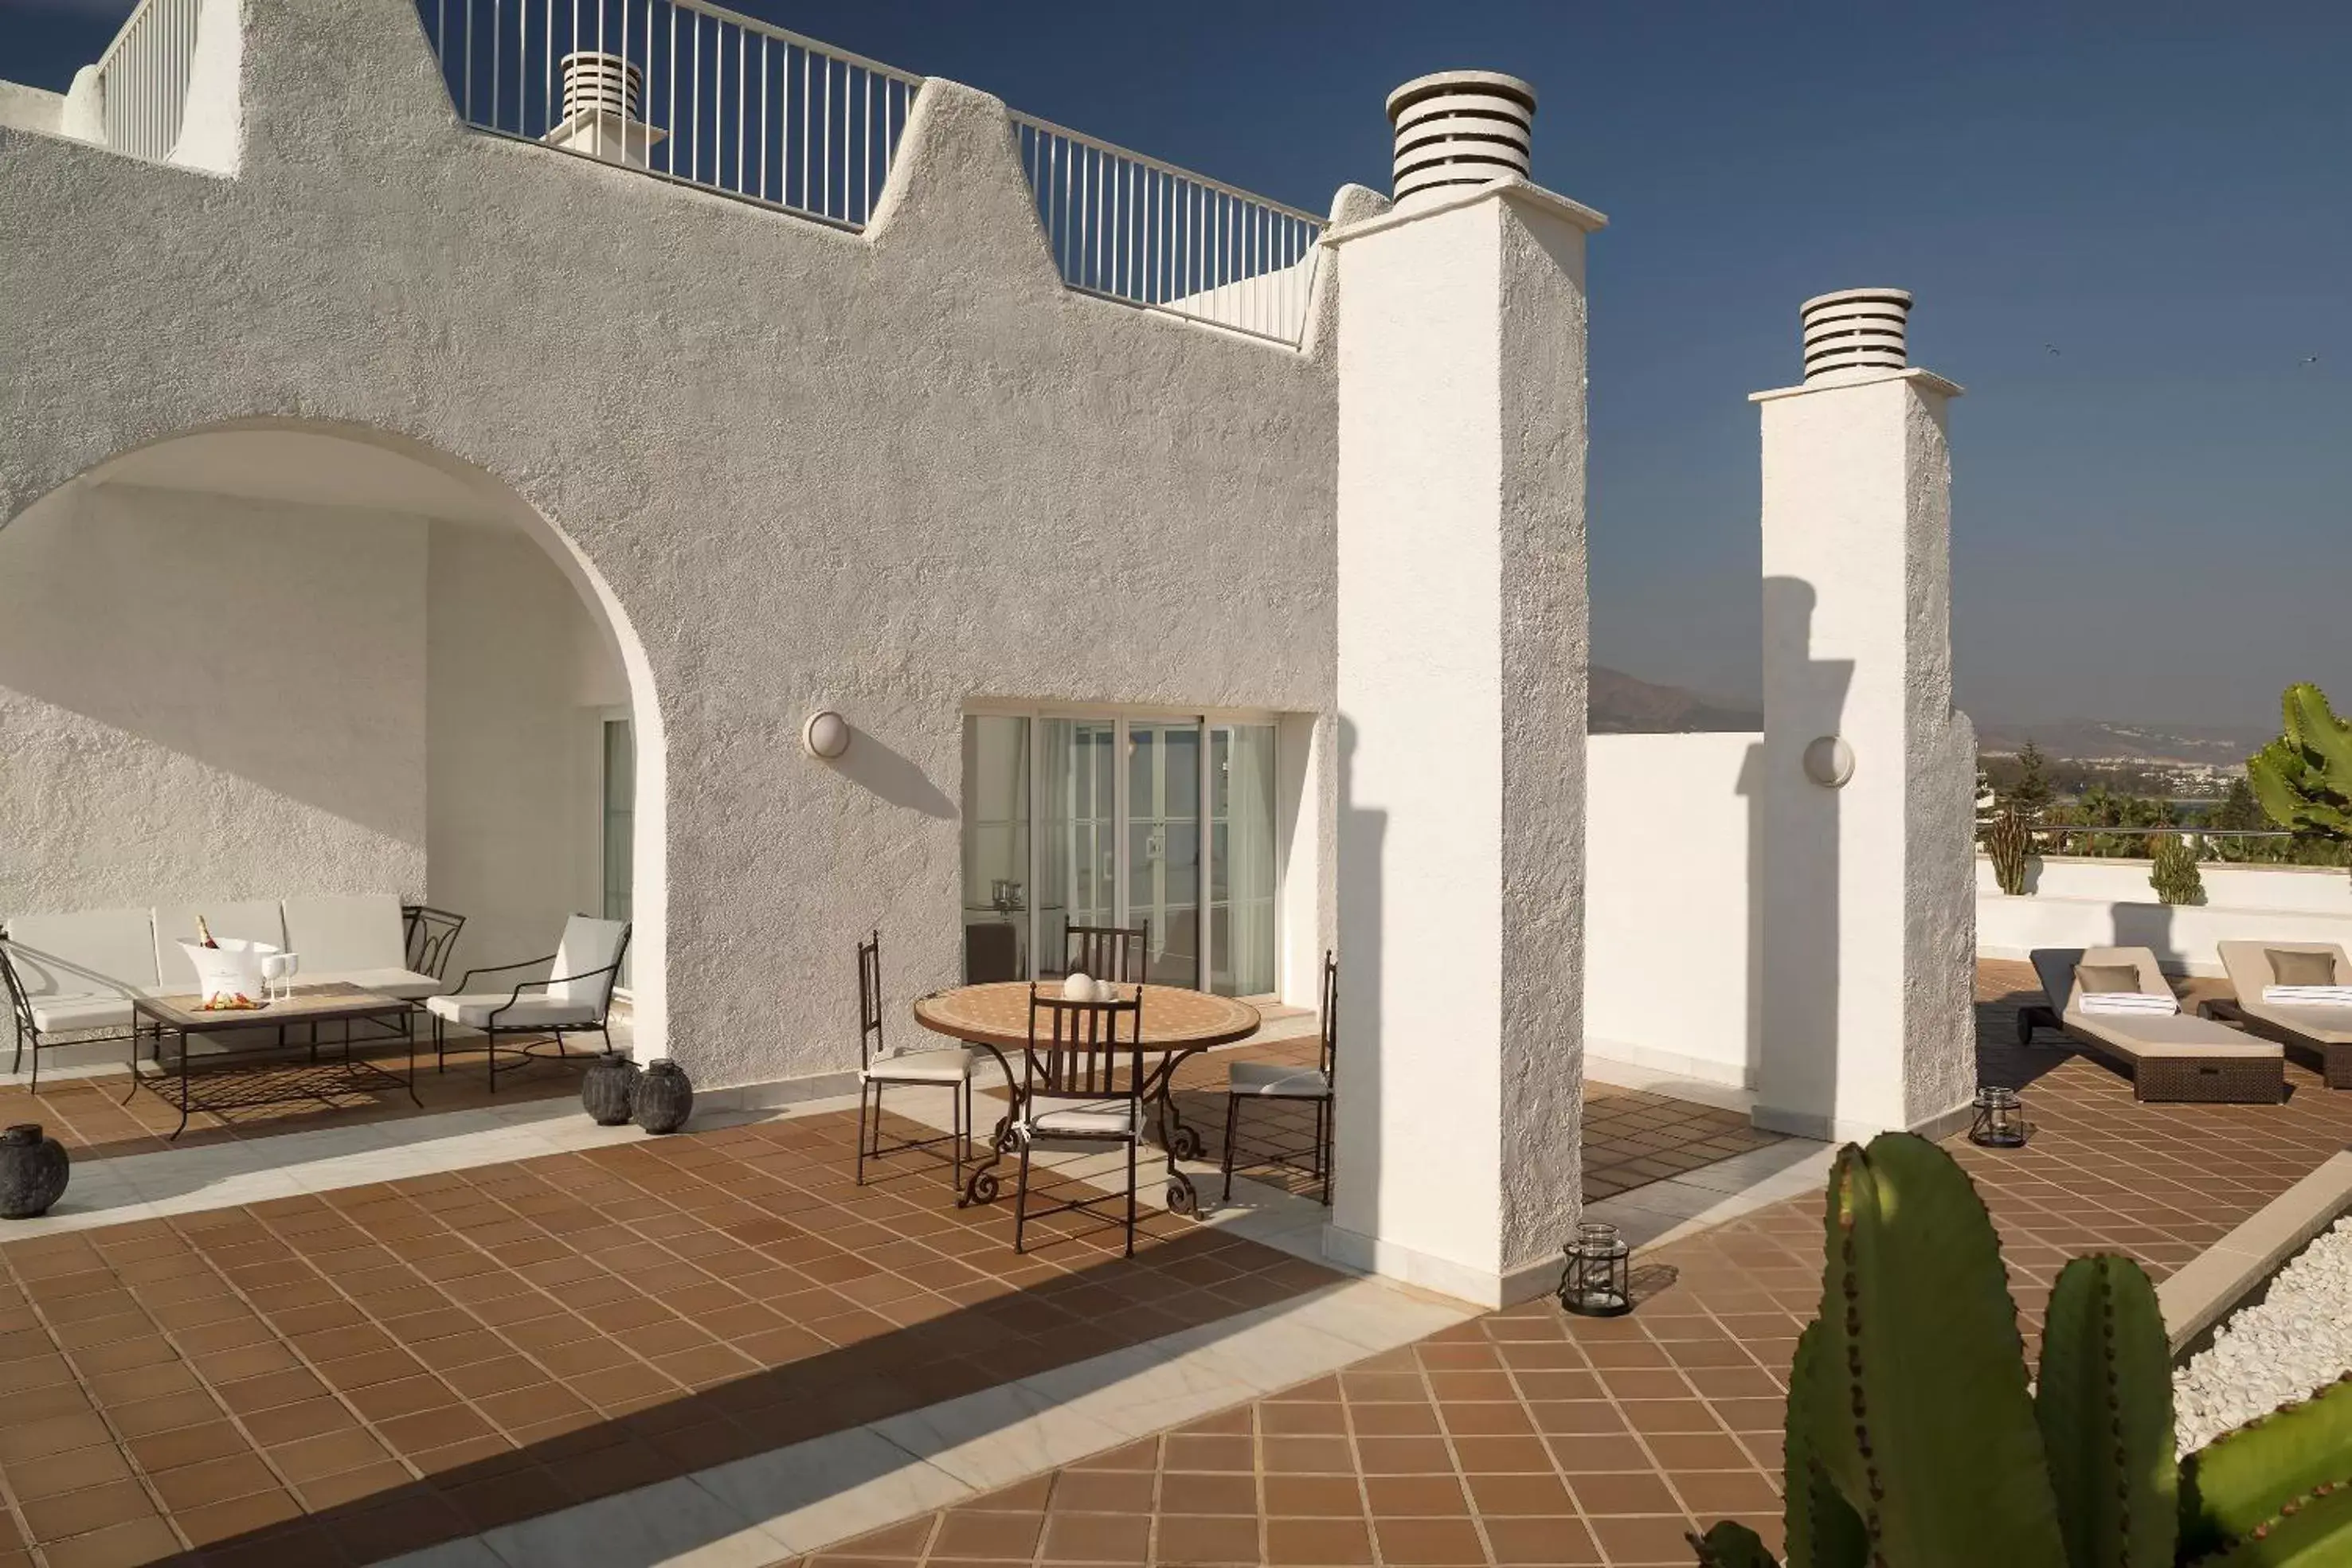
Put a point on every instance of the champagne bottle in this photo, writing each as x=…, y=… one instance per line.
x=204, y=933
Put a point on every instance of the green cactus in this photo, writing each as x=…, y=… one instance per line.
x=1913, y=1443
x=1823, y=1530
x=2007, y=842
x=2304, y=779
x=2105, y=1404
x=2247, y=1480
x=2174, y=874
x=1930, y=1435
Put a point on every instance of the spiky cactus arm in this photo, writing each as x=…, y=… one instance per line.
x=1729, y=1545
x=2006, y=843
x=1938, y=1452
x=2105, y=1405
x=1823, y=1530
x=2313, y=1532
x=2242, y=1481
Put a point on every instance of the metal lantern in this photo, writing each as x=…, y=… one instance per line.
x=1595, y=1282
x=2000, y=1121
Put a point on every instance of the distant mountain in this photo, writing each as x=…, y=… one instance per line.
x=2097, y=739
x=1619, y=703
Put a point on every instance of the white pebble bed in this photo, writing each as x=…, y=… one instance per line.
x=2288, y=1346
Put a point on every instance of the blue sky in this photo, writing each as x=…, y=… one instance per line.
x=2151, y=522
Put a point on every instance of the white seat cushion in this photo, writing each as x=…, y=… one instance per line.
x=90, y=953
x=338, y=934
x=1086, y=1119
x=534, y=1011
x=949, y=1066
x=1278, y=1082
x=404, y=984
x=58, y=1014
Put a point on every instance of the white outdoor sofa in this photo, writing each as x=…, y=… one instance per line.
x=75, y=974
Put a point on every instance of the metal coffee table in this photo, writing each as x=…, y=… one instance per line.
x=152, y=1018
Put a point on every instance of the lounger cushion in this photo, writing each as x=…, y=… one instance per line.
x=532, y=1010
x=2321, y=1026
x=405, y=984
x=2106, y=978
x=57, y=1015
x=1276, y=1081
x=336, y=935
x=2170, y=1035
x=951, y=1066
x=248, y=920
x=94, y=952
x=2249, y=968
x=2300, y=967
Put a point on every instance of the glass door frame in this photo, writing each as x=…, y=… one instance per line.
x=1203, y=720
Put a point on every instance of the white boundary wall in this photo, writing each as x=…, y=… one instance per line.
x=2078, y=902
x=1670, y=954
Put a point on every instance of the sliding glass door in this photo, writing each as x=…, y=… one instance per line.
x=1163, y=847
x=1129, y=821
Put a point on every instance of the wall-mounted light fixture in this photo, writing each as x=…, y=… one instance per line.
x=826, y=734
x=1829, y=761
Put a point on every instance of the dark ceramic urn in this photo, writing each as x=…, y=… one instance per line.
x=608, y=1090
x=33, y=1172
x=665, y=1099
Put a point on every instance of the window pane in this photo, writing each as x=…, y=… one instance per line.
x=1075, y=860
x=995, y=848
x=1242, y=785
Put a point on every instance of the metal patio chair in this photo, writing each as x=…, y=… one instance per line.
x=1272, y=1081
x=576, y=999
x=1082, y=1084
x=1106, y=951
x=949, y=1066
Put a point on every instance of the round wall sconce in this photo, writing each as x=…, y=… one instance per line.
x=826, y=734
x=1829, y=761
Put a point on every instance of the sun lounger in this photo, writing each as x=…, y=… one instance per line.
x=2170, y=1056
x=2319, y=1035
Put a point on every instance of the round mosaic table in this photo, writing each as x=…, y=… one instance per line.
x=1176, y=1024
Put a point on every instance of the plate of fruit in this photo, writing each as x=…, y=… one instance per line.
x=237, y=1002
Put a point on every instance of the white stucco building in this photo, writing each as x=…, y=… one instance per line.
x=429, y=468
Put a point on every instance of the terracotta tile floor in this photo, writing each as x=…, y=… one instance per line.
x=330, y=1379
x=1633, y=1137
x=85, y=1114
x=1529, y=1437
x=333, y=1379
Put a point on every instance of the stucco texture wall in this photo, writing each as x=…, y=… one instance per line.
x=880, y=473
x=208, y=699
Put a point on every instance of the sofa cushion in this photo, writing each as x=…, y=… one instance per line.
x=532, y=1010
x=251, y=920
x=58, y=1014
x=92, y=952
x=335, y=935
x=405, y=984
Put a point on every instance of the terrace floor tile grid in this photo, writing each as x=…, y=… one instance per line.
x=90, y=1116
x=334, y=1377
x=1531, y=1437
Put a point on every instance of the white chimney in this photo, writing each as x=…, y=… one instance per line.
x=601, y=95
x=1856, y=329
x=1456, y=130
